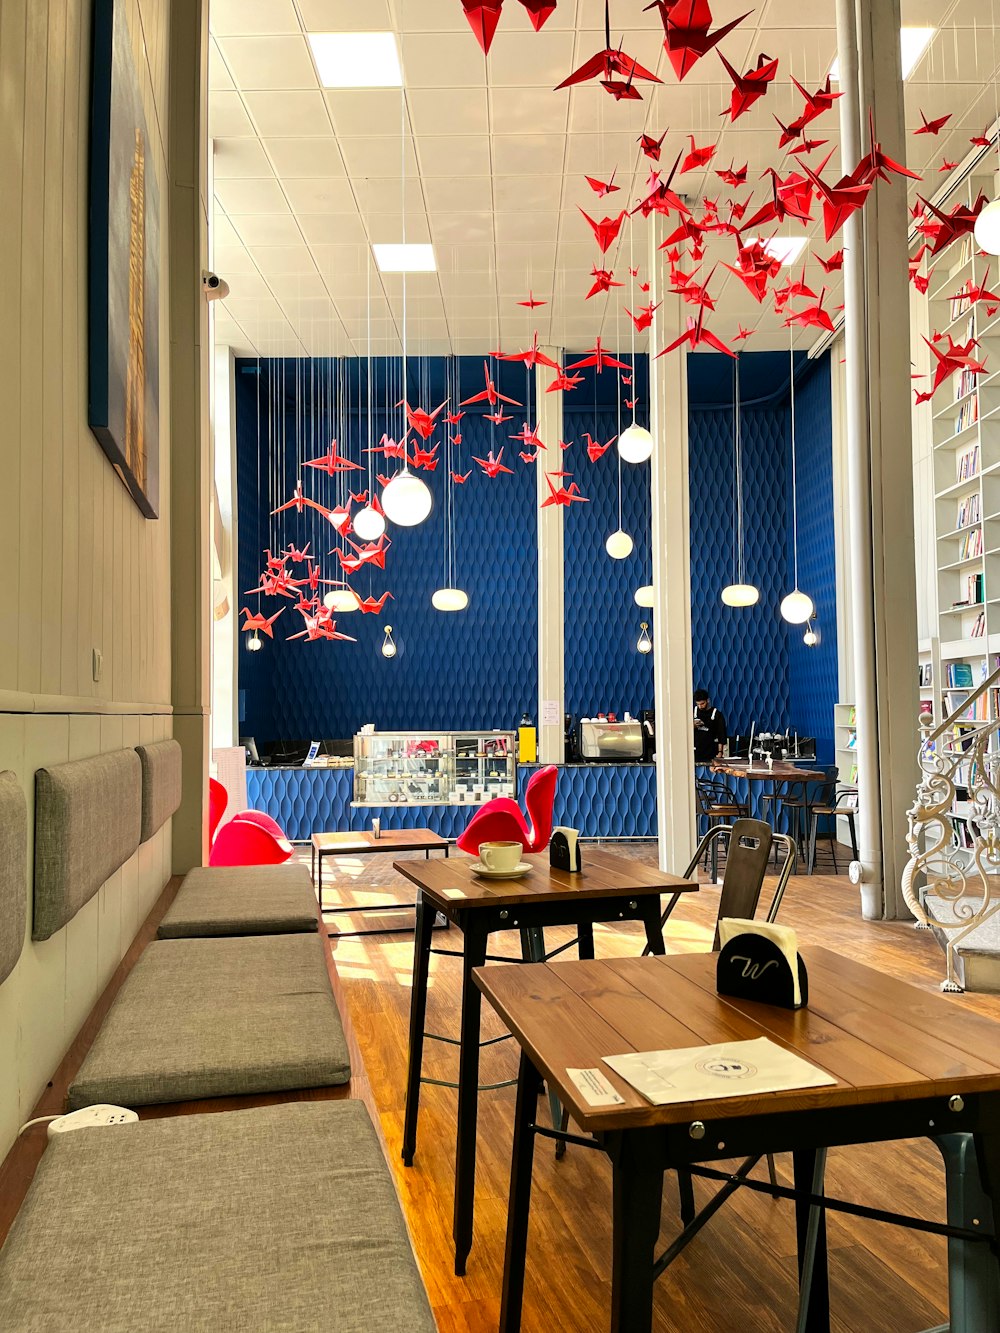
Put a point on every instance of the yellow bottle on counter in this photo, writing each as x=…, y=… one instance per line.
x=527, y=741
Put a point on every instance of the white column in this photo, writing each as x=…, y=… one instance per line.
x=226, y=591
x=879, y=455
x=671, y=544
x=551, y=608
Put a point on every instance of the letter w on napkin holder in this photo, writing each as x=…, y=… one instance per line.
x=752, y=967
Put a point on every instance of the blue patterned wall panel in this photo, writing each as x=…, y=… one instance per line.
x=813, y=684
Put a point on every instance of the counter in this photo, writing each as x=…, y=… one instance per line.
x=601, y=800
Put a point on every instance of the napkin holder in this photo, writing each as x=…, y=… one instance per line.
x=752, y=967
x=564, y=850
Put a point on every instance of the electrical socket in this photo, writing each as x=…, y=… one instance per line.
x=88, y=1116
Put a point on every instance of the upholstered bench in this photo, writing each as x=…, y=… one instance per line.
x=242, y=900
x=281, y=1218
x=200, y=1018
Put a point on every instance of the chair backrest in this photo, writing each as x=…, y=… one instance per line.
x=218, y=799
x=746, y=866
x=539, y=799
x=827, y=793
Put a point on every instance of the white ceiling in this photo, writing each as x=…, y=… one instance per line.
x=305, y=178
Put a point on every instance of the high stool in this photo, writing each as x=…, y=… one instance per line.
x=843, y=806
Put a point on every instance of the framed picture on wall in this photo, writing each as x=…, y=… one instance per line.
x=123, y=264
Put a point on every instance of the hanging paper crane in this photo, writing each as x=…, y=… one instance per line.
x=564, y=383
x=300, y=503
x=644, y=318
x=422, y=422
x=686, y=26
x=601, y=188
x=257, y=622
x=497, y=418
x=531, y=303
x=932, y=126
x=732, y=177
x=607, y=63
x=696, y=334
x=603, y=281
x=812, y=317
x=598, y=358
x=490, y=394
x=529, y=438
x=539, y=11
x=493, y=464
x=697, y=157
x=425, y=458
x=957, y=356
x=333, y=462
x=606, y=231
x=562, y=495
x=483, y=17
x=532, y=357
x=750, y=87
x=372, y=606
x=650, y=146
x=294, y=554
x=595, y=449
x=817, y=103
x=833, y=264
x=320, y=626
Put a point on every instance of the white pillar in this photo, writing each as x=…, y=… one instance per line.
x=551, y=608
x=671, y=545
x=879, y=455
x=226, y=590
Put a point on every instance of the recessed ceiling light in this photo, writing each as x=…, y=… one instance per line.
x=786, y=249
x=913, y=42
x=405, y=258
x=356, y=59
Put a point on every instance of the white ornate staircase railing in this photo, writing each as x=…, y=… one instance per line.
x=965, y=881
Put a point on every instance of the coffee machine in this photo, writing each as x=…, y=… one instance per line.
x=647, y=720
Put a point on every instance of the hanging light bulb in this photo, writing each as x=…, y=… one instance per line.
x=645, y=644
x=449, y=599
x=987, y=231
x=644, y=595
x=619, y=545
x=635, y=444
x=811, y=636
x=342, y=600
x=407, y=500
x=254, y=644
x=369, y=524
x=740, y=594
x=388, y=643
x=797, y=607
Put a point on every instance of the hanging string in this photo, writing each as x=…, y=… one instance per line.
x=795, y=494
x=618, y=404
x=739, y=476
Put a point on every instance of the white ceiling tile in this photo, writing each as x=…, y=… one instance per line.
x=266, y=229
x=245, y=285
x=252, y=16
x=269, y=62
x=332, y=228
x=342, y=261
x=527, y=154
x=447, y=227
x=222, y=232
x=255, y=312
x=425, y=56
x=385, y=195
x=474, y=194
x=527, y=111
x=280, y=346
x=517, y=228
x=219, y=78
x=464, y=258
x=432, y=16
x=293, y=158
x=356, y=307
x=448, y=111
x=290, y=114
x=527, y=193
x=238, y=159
x=366, y=111
x=227, y=117
x=387, y=228
x=283, y=260
x=345, y=15
x=365, y=157
x=524, y=59
x=466, y=155
x=320, y=195
x=260, y=196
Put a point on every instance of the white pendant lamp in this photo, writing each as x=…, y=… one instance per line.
x=797, y=607
x=254, y=644
x=449, y=598
x=645, y=644
x=407, y=499
x=368, y=523
x=811, y=636
x=619, y=545
x=635, y=444
x=388, y=644
x=987, y=231
x=342, y=600
x=739, y=592
x=644, y=595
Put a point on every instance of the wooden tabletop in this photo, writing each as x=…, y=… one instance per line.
x=781, y=772
x=882, y=1039
x=389, y=840
x=604, y=875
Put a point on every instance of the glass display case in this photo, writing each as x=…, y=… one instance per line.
x=433, y=767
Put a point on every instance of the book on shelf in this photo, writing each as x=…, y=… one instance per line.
x=971, y=544
x=969, y=511
x=967, y=463
x=974, y=589
x=979, y=626
x=968, y=413
x=854, y=775
x=958, y=674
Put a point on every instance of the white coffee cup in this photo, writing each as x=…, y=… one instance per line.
x=500, y=856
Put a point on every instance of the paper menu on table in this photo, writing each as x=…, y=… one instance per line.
x=782, y=937
x=704, y=1073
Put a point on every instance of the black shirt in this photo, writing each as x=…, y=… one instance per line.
x=709, y=736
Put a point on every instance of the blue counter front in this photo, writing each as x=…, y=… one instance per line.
x=601, y=800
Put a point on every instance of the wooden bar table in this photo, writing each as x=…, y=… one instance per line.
x=609, y=888
x=776, y=774
x=907, y=1064
x=365, y=843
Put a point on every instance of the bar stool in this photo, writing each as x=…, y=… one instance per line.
x=717, y=805
x=843, y=806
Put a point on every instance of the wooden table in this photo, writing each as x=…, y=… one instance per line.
x=780, y=772
x=610, y=888
x=908, y=1064
x=364, y=844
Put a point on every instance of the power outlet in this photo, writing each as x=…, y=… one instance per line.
x=91, y=1116
x=98, y=664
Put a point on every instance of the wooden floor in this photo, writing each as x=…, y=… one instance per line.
x=739, y=1274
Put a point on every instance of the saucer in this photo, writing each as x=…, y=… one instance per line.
x=522, y=868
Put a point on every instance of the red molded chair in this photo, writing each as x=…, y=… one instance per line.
x=250, y=838
x=501, y=820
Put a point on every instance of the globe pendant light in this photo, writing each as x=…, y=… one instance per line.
x=987, y=231
x=811, y=636
x=797, y=607
x=254, y=644
x=368, y=523
x=619, y=545
x=644, y=595
x=739, y=592
x=388, y=644
x=645, y=644
x=449, y=598
x=342, y=600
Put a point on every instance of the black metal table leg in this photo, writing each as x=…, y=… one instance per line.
x=817, y=1316
x=988, y=1155
x=654, y=928
x=418, y=1010
x=637, y=1195
x=474, y=955
x=519, y=1206
x=585, y=939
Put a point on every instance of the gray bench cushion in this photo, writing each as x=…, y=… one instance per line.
x=217, y=1018
x=242, y=900
x=13, y=871
x=161, y=784
x=283, y=1218
x=87, y=820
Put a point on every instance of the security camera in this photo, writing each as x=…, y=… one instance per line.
x=214, y=287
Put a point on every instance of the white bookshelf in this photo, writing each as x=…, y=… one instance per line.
x=845, y=737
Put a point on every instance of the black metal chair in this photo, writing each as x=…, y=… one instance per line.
x=843, y=805
x=796, y=799
x=717, y=806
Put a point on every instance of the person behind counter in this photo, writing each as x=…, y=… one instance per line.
x=710, y=733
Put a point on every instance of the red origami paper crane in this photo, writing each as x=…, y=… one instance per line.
x=734, y=178
x=562, y=495
x=958, y=356
x=311, y=581
x=607, y=63
x=320, y=626
x=425, y=458
x=947, y=166
x=698, y=157
x=498, y=418
x=419, y=420
x=750, y=87
x=529, y=438
x=340, y=517
x=697, y=334
x=531, y=303
x=788, y=200
x=595, y=449
x=456, y=439
x=531, y=358
x=693, y=293
x=755, y=266
x=460, y=478
x=359, y=498
x=961, y=221
x=527, y=458
x=388, y=447
x=686, y=24
x=599, y=358
x=807, y=146
x=277, y=584
x=834, y=263
x=932, y=126
x=875, y=165
x=483, y=16
x=490, y=394
x=564, y=382
x=643, y=319
x=492, y=464
x=296, y=556
x=743, y=333
x=922, y=281
x=974, y=291
x=565, y=444
x=794, y=290
x=981, y=140
x=813, y=316
x=453, y=418
x=259, y=622
x=372, y=606
x=650, y=146
x=840, y=200
x=602, y=281
x=333, y=462
x=606, y=231
x=300, y=503
x=306, y=605
x=539, y=11
x=818, y=102
x=601, y=188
